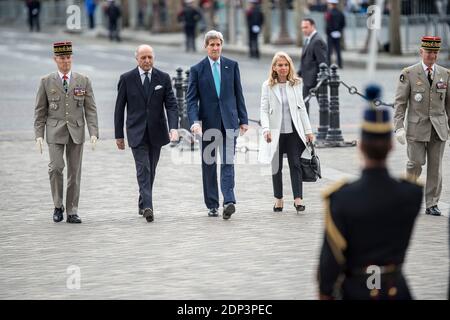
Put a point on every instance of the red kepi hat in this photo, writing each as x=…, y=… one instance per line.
x=431, y=43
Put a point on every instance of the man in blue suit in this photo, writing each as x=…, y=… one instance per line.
x=146, y=92
x=216, y=110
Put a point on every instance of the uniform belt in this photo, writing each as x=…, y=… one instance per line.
x=387, y=269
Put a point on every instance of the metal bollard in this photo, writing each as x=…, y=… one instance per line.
x=334, y=134
x=184, y=122
x=179, y=91
x=322, y=97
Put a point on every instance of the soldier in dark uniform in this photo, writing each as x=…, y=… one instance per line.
x=368, y=223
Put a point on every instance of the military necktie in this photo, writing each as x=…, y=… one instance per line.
x=65, y=84
x=430, y=79
x=146, y=84
x=216, y=77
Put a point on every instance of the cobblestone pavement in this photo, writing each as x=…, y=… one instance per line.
x=184, y=254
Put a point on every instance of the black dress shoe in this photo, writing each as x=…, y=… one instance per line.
x=58, y=214
x=73, y=219
x=213, y=212
x=299, y=207
x=228, y=210
x=148, y=214
x=434, y=211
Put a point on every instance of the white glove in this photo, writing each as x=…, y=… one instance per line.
x=39, y=144
x=401, y=135
x=93, y=142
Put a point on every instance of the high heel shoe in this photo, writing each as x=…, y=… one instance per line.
x=299, y=207
x=277, y=209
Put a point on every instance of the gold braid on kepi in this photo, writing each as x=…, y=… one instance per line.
x=431, y=43
x=62, y=48
x=377, y=120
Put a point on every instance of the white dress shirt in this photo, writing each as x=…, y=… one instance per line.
x=68, y=74
x=142, y=74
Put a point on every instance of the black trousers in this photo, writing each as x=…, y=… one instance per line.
x=33, y=22
x=253, y=45
x=114, y=32
x=146, y=157
x=334, y=44
x=190, y=38
x=293, y=146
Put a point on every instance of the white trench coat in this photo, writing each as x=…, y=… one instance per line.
x=271, y=112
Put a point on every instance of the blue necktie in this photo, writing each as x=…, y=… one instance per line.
x=216, y=77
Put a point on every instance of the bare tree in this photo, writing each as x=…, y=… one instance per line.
x=395, y=44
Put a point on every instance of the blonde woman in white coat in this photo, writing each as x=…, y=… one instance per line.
x=285, y=127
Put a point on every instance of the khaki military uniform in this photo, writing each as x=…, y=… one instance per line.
x=63, y=116
x=424, y=110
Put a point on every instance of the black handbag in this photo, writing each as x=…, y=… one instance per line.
x=311, y=167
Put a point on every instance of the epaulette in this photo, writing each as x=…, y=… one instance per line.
x=407, y=178
x=326, y=193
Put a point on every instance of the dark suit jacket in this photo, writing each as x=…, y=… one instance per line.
x=204, y=105
x=142, y=114
x=312, y=56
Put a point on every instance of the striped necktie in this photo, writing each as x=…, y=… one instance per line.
x=65, y=83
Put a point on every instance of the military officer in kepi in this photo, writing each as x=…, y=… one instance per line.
x=422, y=118
x=368, y=223
x=64, y=103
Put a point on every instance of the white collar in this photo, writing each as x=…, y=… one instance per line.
x=312, y=35
x=211, y=61
x=61, y=75
x=142, y=71
x=424, y=66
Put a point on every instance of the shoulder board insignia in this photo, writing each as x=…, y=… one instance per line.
x=334, y=187
x=410, y=179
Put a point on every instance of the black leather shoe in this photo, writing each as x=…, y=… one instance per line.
x=58, y=214
x=299, y=207
x=141, y=212
x=148, y=214
x=213, y=212
x=228, y=210
x=434, y=211
x=73, y=219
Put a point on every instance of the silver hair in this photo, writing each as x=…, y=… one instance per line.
x=213, y=34
x=139, y=47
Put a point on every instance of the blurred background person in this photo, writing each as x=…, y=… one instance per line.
x=189, y=16
x=34, y=9
x=255, y=20
x=91, y=5
x=113, y=12
x=335, y=21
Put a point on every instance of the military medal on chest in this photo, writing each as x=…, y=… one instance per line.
x=418, y=97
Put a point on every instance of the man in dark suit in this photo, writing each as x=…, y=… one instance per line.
x=335, y=21
x=313, y=54
x=216, y=110
x=368, y=224
x=146, y=92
